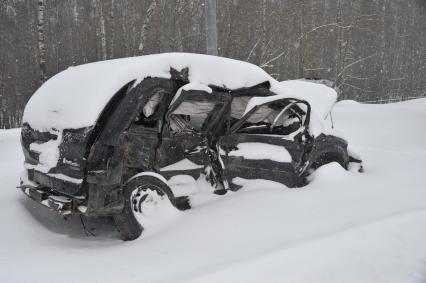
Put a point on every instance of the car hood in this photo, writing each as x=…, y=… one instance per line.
x=321, y=97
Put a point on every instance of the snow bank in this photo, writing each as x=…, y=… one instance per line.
x=399, y=127
x=342, y=227
x=11, y=158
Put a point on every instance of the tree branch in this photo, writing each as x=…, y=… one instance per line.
x=354, y=63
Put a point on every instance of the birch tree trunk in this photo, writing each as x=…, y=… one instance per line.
x=101, y=31
x=146, y=24
x=40, y=40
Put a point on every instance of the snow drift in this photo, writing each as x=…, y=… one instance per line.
x=343, y=227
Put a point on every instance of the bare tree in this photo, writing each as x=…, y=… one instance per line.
x=374, y=50
x=101, y=32
x=41, y=44
x=146, y=24
x=211, y=26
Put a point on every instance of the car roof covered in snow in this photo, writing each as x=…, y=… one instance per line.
x=74, y=98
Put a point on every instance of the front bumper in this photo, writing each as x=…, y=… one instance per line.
x=62, y=204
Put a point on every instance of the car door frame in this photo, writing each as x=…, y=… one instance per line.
x=282, y=172
x=214, y=119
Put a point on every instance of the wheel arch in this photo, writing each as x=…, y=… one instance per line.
x=329, y=157
x=327, y=149
x=152, y=174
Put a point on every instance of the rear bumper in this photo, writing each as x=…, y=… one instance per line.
x=64, y=205
x=63, y=184
x=94, y=203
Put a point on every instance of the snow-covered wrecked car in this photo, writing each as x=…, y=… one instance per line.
x=103, y=139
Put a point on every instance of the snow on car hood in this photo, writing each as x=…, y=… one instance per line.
x=74, y=98
x=321, y=97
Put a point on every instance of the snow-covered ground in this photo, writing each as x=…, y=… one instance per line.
x=342, y=227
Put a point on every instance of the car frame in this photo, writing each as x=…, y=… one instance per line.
x=125, y=161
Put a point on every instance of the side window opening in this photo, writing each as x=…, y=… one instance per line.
x=238, y=106
x=190, y=116
x=276, y=119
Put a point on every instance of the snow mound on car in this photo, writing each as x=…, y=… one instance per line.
x=74, y=98
x=321, y=97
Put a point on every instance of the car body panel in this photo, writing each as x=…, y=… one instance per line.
x=134, y=134
x=262, y=166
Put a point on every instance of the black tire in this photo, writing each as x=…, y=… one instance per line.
x=126, y=222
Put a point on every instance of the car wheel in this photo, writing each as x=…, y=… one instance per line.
x=143, y=196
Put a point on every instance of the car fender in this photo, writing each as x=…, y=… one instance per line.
x=152, y=174
x=326, y=149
